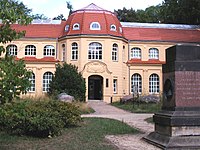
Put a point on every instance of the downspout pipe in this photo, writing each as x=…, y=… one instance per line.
x=129, y=68
x=56, y=48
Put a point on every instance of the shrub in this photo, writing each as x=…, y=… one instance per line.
x=38, y=118
x=68, y=80
x=68, y=112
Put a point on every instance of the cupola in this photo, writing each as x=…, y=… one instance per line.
x=93, y=20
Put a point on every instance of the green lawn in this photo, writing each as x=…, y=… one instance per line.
x=141, y=108
x=89, y=136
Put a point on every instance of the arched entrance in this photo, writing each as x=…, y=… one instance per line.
x=95, y=87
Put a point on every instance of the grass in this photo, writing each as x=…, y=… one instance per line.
x=89, y=136
x=83, y=107
x=141, y=108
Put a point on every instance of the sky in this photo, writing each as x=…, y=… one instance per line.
x=52, y=8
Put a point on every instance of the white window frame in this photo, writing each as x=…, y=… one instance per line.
x=115, y=86
x=95, y=51
x=136, y=80
x=49, y=50
x=115, y=52
x=113, y=27
x=153, y=53
x=67, y=28
x=47, y=78
x=30, y=50
x=120, y=29
x=154, y=84
x=95, y=26
x=12, y=50
x=74, y=51
x=136, y=53
x=76, y=26
x=32, y=80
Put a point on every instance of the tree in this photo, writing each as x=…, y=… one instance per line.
x=126, y=15
x=40, y=16
x=12, y=12
x=150, y=14
x=60, y=17
x=14, y=78
x=68, y=80
x=170, y=11
x=181, y=11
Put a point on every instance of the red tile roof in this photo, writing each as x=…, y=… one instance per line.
x=150, y=61
x=34, y=59
x=92, y=13
x=130, y=33
x=160, y=34
x=41, y=30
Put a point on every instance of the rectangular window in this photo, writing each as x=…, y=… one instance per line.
x=106, y=82
x=123, y=54
x=63, y=54
x=114, y=86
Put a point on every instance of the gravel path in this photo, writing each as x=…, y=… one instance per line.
x=124, y=142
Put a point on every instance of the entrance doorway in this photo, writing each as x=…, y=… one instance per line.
x=95, y=87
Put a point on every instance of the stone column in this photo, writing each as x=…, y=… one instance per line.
x=177, y=125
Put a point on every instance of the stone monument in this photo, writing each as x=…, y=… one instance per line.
x=177, y=125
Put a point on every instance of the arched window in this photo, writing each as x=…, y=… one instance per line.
x=76, y=26
x=154, y=87
x=136, y=83
x=32, y=80
x=49, y=50
x=63, y=52
x=113, y=27
x=74, y=51
x=115, y=52
x=136, y=53
x=30, y=50
x=12, y=50
x=95, y=51
x=153, y=53
x=47, y=78
x=95, y=26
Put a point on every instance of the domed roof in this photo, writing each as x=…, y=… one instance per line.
x=93, y=20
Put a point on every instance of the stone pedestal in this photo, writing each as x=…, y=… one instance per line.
x=177, y=125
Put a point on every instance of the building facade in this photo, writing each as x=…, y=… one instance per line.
x=114, y=58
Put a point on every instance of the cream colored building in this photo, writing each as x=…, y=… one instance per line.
x=113, y=57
